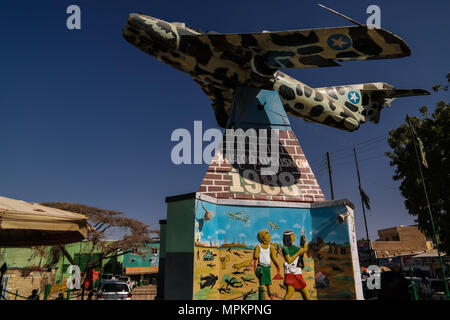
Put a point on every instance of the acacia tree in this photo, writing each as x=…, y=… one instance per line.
x=135, y=235
x=434, y=131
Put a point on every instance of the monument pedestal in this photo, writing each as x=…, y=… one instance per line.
x=215, y=238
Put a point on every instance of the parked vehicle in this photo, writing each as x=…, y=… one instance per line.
x=438, y=289
x=128, y=281
x=108, y=276
x=114, y=290
x=433, y=290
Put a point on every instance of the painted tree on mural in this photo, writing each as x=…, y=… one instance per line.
x=433, y=131
x=136, y=235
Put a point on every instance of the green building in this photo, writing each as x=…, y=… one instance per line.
x=44, y=259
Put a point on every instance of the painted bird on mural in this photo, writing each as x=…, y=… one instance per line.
x=220, y=63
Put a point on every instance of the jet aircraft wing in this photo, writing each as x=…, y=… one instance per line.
x=222, y=99
x=308, y=48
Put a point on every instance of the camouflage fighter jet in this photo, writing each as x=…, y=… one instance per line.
x=219, y=63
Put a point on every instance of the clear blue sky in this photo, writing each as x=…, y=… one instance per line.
x=87, y=118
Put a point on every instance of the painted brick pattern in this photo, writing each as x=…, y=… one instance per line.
x=295, y=179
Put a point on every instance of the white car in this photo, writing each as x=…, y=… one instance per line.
x=114, y=290
x=128, y=281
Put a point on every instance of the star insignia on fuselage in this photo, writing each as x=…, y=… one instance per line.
x=354, y=97
x=339, y=41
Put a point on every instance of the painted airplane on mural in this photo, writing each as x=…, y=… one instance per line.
x=219, y=63
x=273, y=225
x=239, y=216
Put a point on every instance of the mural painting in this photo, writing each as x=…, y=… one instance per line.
x=254, y=252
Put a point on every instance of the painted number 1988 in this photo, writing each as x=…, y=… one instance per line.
x=250, y=181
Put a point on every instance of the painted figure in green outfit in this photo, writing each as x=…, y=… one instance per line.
x=262, y=256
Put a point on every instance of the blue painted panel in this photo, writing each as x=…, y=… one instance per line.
x=259, y=109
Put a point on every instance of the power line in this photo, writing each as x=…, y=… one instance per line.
x=365, y=148
x=367, y=151
x=317, y=163
x=376, y=157
x=372, y=144
x=380, y=184
x=365, y=142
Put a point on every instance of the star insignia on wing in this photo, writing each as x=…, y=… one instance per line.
x=340, y=42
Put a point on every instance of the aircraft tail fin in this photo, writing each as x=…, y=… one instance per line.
x=373, y=100
x=367, y=99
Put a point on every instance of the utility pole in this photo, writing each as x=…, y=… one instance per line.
x=362, y=202
x=447, y=293
x=372, y=259
x=329, y=173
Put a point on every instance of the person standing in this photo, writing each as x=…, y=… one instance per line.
x=34, y=295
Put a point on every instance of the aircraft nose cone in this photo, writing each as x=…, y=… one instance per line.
x=150, y=34
x=136, y=28
x=137, y=21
